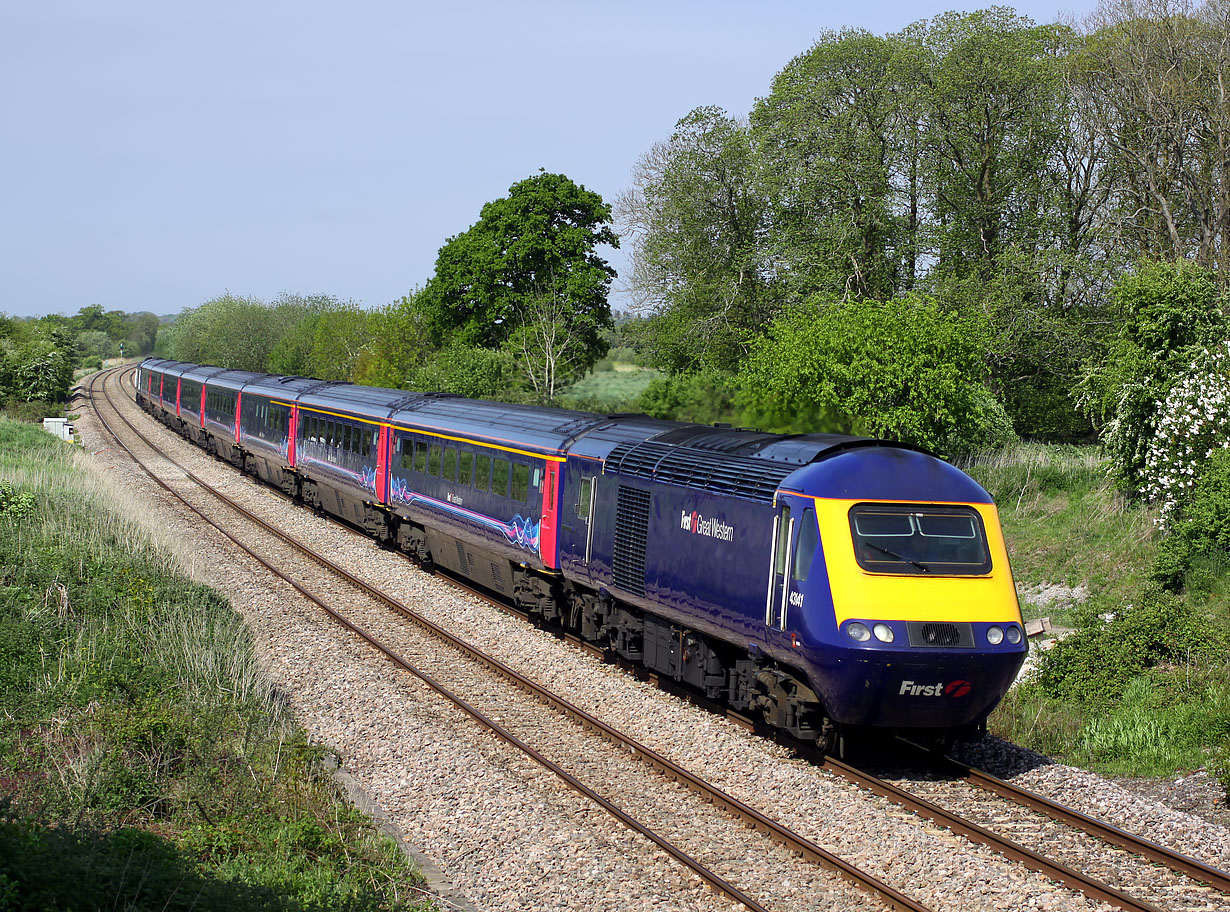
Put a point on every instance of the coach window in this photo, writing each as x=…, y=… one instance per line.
x=805, y=550
x=520, y=481
x=465, y=467
x=499, y=477
x=433, y=460
x=482, y=472
x=420, y=457
x=450, y=463
x=537, y=478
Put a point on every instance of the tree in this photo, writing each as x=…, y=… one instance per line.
x=546, y=345
x=399, y=344
x=339, y=339
x=1155, y=76
x=696, y=217
x=826, y=134
x=544, y=234
x=990, y=91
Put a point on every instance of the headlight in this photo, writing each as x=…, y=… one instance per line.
x=1014, y=634
x=995, y=635
x=858, y=631
x=883, y=633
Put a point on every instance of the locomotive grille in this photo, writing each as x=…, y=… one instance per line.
x=940, y=633
x=631, y=530
x=743, y=476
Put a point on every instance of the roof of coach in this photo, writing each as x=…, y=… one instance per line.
x=169, y=368
x=282, y=387
x=201, y=374
x=532, y=427
x=233, y=379
x=363, y=401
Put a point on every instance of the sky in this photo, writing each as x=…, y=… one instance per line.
x=155, y=155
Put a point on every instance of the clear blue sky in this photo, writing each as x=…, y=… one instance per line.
x=155, y=154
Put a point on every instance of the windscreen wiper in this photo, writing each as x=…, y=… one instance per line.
x=923, y=567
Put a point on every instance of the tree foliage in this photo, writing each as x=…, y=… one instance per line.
x=695, y=217
x=1166, y=313
x=903, y=369
x=541, y=239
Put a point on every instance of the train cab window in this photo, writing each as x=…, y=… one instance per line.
x=584, y=493
x=450, y=463
x=499, y=477
x=465, y=467
x=805, y=547
x=520, y=481
x=420, y=457
x=914, y=539
x=482, y=472
x=433, y=460
x=783, y=541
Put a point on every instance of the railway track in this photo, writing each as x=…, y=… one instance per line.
x=672, y=771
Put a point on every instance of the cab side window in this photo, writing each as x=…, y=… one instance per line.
x=809, y=539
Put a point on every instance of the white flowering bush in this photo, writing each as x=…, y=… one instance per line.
x=1190, y=424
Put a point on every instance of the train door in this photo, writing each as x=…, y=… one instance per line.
x=796, y=537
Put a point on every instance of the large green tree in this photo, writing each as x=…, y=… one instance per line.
x=830, y=132
x=542, y=238
x=1156, y=78
x=696, y=216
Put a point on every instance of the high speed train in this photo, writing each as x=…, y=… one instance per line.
x=825, y=582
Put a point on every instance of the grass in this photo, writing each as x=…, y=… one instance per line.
x=1144, y=694
x=613, y=389
x=1066, y=523
x=145, y=760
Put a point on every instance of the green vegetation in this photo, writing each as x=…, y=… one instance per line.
x=39, y=357
x=145, y=761
x=1140, y=688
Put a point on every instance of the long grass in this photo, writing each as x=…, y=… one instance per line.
x=145, y=759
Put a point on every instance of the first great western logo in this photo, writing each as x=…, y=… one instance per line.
x=710, y=527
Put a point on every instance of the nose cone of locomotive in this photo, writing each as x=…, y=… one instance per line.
x=914, y=551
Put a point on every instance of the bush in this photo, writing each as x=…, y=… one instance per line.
x=1094, y=665
x=477, y=373
x=1200, y=526
x=904, y=370
x=1188, y=427
x=705, y=397
x=1168, y=312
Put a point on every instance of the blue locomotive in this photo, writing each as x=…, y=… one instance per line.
x=822, y=581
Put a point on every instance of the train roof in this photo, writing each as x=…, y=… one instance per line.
x=532, y=427
x=372, y=402
x=167, y=366
x=737, y=461
x=233, y=379
x=201, y=374
x=280, y=387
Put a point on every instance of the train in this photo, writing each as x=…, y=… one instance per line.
x=824, y=583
